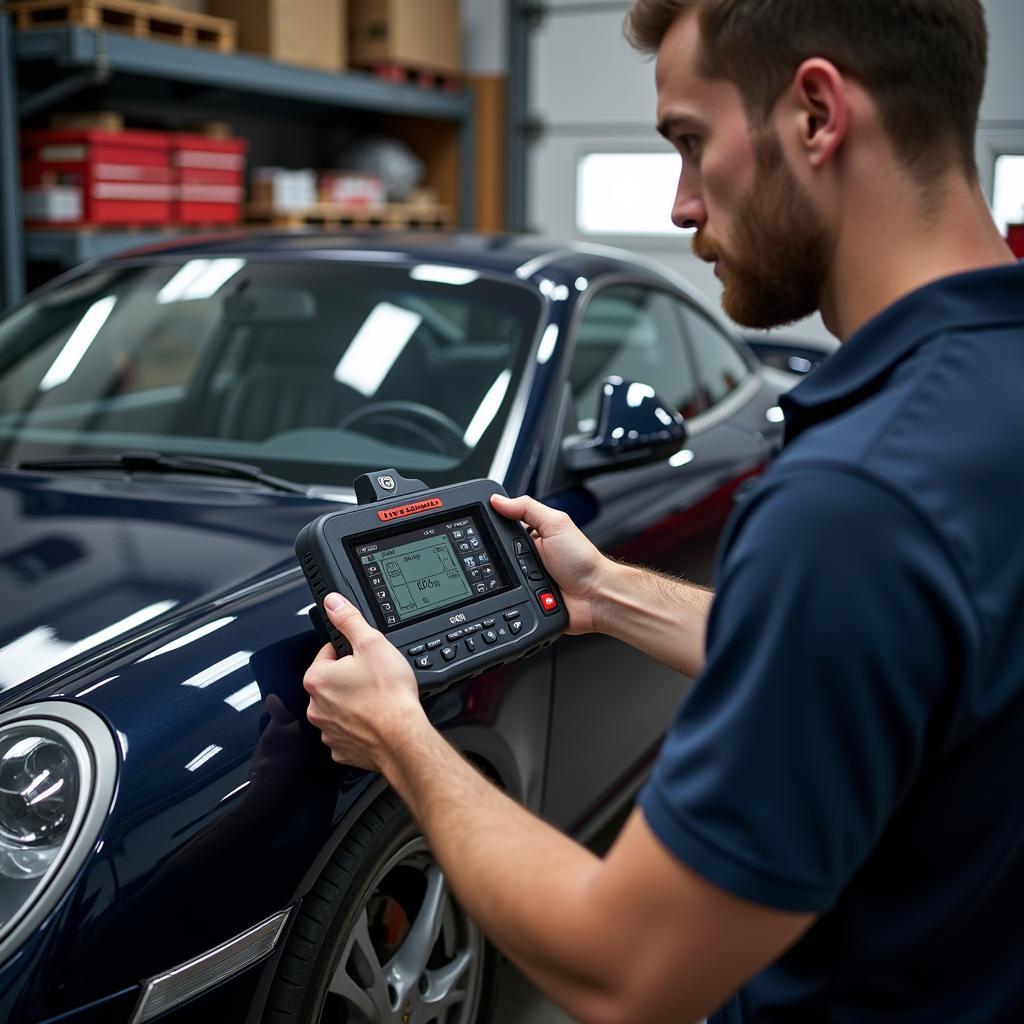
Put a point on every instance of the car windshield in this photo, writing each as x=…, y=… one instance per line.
x=315, y=371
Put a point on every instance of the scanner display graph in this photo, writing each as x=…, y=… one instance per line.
x=423, y=575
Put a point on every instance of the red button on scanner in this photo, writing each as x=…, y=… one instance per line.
x=548, y=601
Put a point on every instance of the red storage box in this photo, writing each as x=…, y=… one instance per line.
x=125, y=177
x=211, y=178
x=101, y=202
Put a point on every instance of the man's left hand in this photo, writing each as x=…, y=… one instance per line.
x=360, y=702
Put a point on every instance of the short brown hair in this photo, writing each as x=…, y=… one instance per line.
x=923, y=61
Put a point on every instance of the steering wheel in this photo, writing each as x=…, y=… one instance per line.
x=422, y=422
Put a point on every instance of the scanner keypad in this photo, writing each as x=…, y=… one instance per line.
x=497, y=629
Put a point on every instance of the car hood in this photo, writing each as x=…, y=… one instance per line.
x=89, y=563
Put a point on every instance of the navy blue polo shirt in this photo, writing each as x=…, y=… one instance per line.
x=855, y=745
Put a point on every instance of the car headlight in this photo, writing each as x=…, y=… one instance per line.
x=39, y=789
x=58, y=766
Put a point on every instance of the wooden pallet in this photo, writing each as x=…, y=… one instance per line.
x=327, y=215
x=142, y=20
x=425, y=78
x=414, y=215
x=105, y=120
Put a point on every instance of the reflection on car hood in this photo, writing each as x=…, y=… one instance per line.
x=86, y=563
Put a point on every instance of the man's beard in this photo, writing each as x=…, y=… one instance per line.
x=775, y=270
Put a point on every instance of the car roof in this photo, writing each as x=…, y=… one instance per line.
x=515, y=255
x=526, y=258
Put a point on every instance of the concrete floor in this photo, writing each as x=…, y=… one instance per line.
x=518, y=1002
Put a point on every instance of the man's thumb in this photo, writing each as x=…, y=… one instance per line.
x=511, y=508
x=348, y=619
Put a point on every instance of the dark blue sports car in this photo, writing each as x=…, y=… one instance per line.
x=175, y=841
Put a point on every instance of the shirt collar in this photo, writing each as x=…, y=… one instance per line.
x=862, y=364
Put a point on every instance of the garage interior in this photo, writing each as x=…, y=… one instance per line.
x=528, y=117
x=488, y=116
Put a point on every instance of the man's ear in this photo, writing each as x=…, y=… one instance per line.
x=821, y=106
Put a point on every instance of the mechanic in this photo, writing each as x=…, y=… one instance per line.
x=833, y=830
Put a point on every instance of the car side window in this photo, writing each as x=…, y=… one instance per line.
x=632, y=332
x=720, y=367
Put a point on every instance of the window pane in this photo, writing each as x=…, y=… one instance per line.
x=626, y=193
x=720, y=367
x=633, y=333
x=1008, y=197
x=314, y=371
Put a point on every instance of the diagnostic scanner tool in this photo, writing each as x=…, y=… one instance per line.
x=455, y=586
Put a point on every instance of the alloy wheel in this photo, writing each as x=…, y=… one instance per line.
x=412, y=956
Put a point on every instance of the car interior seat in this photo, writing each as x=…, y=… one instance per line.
x=450, y=378
x=272, y=399
x=285, y=381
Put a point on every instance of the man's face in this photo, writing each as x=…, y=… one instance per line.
x=753, y=219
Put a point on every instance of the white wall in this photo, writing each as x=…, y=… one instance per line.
x=1004, y=93
x=484, y=36
x=1002, y=109
x=593, y=93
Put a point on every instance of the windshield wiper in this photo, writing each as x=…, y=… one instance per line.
x=154, y=462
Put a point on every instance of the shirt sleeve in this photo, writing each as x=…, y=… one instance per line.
x=837, y=633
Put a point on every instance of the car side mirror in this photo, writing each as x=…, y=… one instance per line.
x=634, y=427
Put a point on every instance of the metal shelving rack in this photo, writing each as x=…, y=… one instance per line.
x=12, y=266
x=76, y=58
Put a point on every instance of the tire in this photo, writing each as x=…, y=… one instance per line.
x=379, y=939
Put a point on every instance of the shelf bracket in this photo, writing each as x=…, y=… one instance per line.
x=98, y=74
x=61, y=90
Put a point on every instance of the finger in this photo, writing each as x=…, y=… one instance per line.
x=315, y=718
x=348, y=620
x=540, y=517
x=326, y=653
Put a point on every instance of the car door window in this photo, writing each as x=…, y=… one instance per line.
x=720, y=367
x=632, y=332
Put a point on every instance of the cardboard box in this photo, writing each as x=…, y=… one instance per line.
x=311, y=33
x=284, y=190
x=420, y=34
x=52, y=204
x=108, y=120
x=212, y=129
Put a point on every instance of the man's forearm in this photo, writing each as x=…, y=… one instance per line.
x=657, y=614
x=524, y=882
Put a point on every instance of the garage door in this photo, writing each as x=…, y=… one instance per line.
x=596, y=170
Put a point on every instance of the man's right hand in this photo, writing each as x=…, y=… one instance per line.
x=571, y=560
